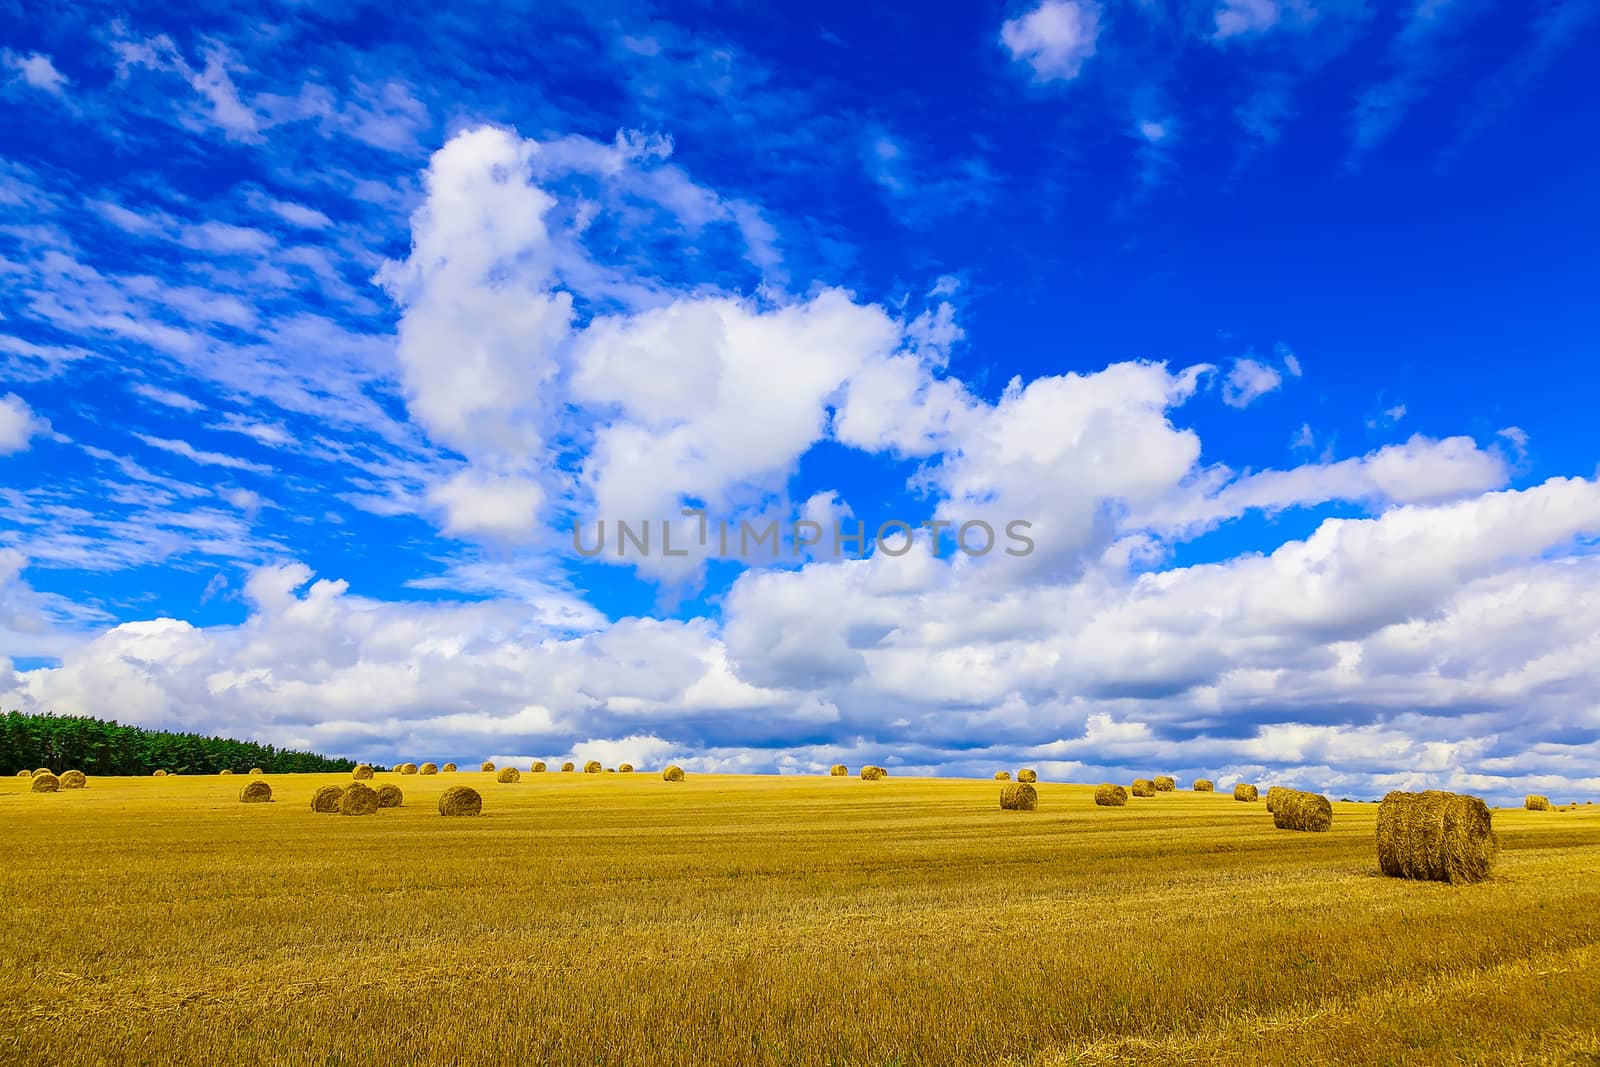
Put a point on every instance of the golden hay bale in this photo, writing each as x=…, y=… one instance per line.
x=45, y=783
x=41, y=770
x=448, y=768
x=624, y=768
x=24, y=774
x=255, y=793
x=568, y=766
x=361, y=773
x=673, y=773
x=537, y=768
x=158, y=774
x=225, y=770
x=257, y=771
x=1203, y=785
x=1142, y=787
x=1535, y=802
x=872, y=774
x=592, y=767
x=389, y=796
x=1002, y=776
x=488, y=765
x=1247, y=793
x=1436, y=836
x=611, y=770
x=460, y=800
x=1164, y=784
x=358, y=799
x=1297, y=810
x=407, y=768
x=325, y=801
x=1018, y=796
x=1027, y=774
x=508, y=775
x=1273, y=793
x=74, y=780
x=839, y=770
x=1110, y=796
x=428, y=768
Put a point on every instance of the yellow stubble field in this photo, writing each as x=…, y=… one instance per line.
x=763, y=919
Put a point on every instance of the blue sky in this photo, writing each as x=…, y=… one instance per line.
x=1273, y=317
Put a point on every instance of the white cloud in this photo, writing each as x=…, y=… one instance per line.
x=166, y=397
x=18, y=424
x=1249, y=380
x=36, y=71
x=216, y=459
x=476, y=504
x=1055, y=39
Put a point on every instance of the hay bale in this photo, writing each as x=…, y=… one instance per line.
x=872, y=774
x=1107, y=795
x=1164, y=784
x=624, y=768
x=487, y=765
x=1018, y=796
x=257, y=771
x=361, y=773
x=1297, y=810
x=592, y=767
x=407, y=768
x=1142, y=787
x=24, y=774
x=1436, y=836
x=568, y=766
x=673, y=773
x=428, y=768
x=1535, y=802
x=358, y=799
x=1203, y=785
x=156, y=774
x=460, y=800
x=1247, y=793
x=74, y=780
x=225, y=770
x=537, y=768
x=45, y=783
x=325, y=801
x=1273, y=793
x=255, y=793
x=839, y=770
x=41, y=770
x=389, y=796
x=1002, y=776
x=448, y=768
x=508, y=775
x=1027, y=774
x=611, y=770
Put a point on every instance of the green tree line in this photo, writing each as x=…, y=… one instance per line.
x=102, y=747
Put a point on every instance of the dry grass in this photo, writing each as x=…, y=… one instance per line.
x=460, y=800
x=1246, y=792
x=1018, y=796
x=507, y=776
x=255, y=793
x=1436, y=836
x=1204, y=785
x=325, y=801
x=1142, y=787
x=1535, y=802
x=1297, y=810
x=673, y=773
x=74, y=780
x=1107, y=795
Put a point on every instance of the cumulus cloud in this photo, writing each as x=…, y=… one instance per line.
x=1249, y=380
x=18, y=424
x=35, y=70
x=1054, y=39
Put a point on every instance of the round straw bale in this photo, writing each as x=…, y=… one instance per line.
x=1436, y=836
x=592, y=767
x=624, y=768
x=24, y=774
x=1142, y=787
x=839, y=770
x=358, y=799
x=460, y=800
x=158, y=774
x=673, y=773
x=568, y=766
x=537, y=768
x=1535, y=802
x=255, y=793
x=1027, y=774
x=325, y=801
x=1247, y=793
x=1164, y=784
x=1298, y=810
x=74, y=780
x=46, y=783
x=407, y=768
x=39, y=771
x=448, y=768
x=257, y=771
x=1203, y=785
x=611, y=770
x=1110, y=796
x=225, y=770
x=428, y=768
x=1002, y=776
x=508, y=775
x=1018, y=796
x=389, y=796
x=361, y=773
x=1273, y=793
x=872, y=774
x=487, y=765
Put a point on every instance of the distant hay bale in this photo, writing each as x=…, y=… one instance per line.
x=325, y=801
x=389, y=796
x=46, y=783
x=74, y=780
x=568, y=766
x=361, y=773
x=24, y=774
x=592, y=767
x=1142, y=787
x=624, y=768
x=255, y=793
x=508, y=775
x=1110, y=796
x=611, y=770
x=873, y=774
x=158, y=774
x=1436, y=836
x=358, y=799
x=1027, y=774
x=839, y=770
x=39, y=771
x=1273, y=793
x=1203, y=785
x=673, y=773
x=1297, y=810
x=407, y=768
x=1247, y=793
x=257, y=771
x=460, y=800
x=225, y=770
x=1164, y=784
x=1535, y=802
x=1002, y=776
x=488, y=765
x=1018, y=796
x=448, y=768
x=428, y=768
x=537, y=768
